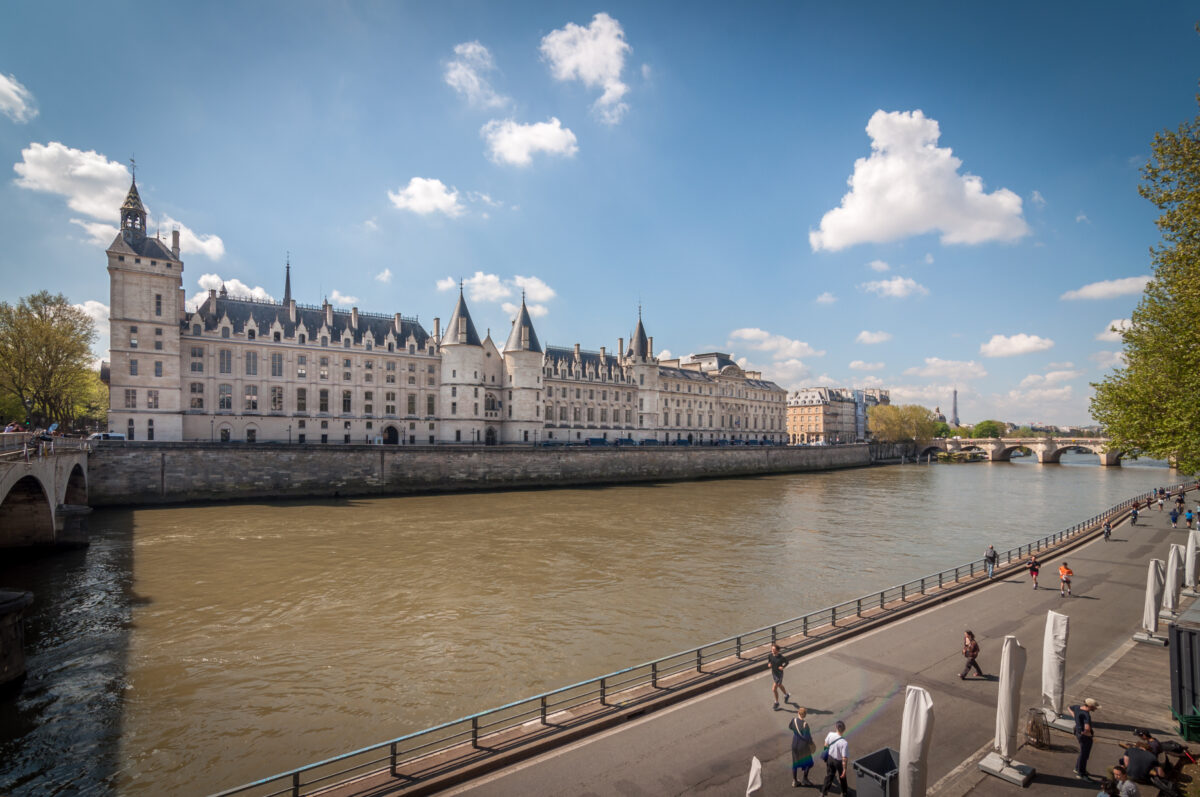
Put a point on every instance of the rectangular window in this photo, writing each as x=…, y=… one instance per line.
x=130, y=399
x=562, y=413
x=251, y=363
x=225, y=361
x=323, y=403
x=157, y=347
x=225, y=397
x=158, y=304
x=197, y=396
x=133, y=367
x=251, y=397
x=591, y=414
x=151, y=399
x=301, y=400
x=276, y=364
x=158, y=367
x=412, y=404
x=429, y=405
x=412, y=380
x=454, y=408
x=345, y=401
x=277, y=399
x=324, y=373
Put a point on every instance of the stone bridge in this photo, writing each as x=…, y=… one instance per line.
x=1046, y=449
x=43, y=492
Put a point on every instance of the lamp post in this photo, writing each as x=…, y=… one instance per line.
x=289, y=434
x=28, y=403
x=211, y=430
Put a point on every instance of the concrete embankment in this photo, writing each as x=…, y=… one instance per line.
x=163, y=473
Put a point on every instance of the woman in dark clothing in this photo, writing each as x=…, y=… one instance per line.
x=802, y=747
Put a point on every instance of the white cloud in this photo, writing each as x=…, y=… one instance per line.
x=879, y=265
x=873, y=337
x=859, y=365
x=928, y=259
x=487, y=288
x=98, y=312
x=1012, y=345
x=465, y=74
x=1112, y=332
x=535, y=310
x=535, y=289
x=910, y=186
x=16, y=101
x=234, y=287
x=447, y=284
x=1037, y=395
x=791, y=374
x=594, y=55
x=370, y=225
x=1109, y=289
x=1064, y=366
x=870, y=380
x=427, y=195
x=510, y=142
x=1105, y=360
x=385, y=276
x=779, y=346
x=341, y=299
x=826, y=298
x=96, y=187
x=934, y=395
x=1037, y=199
x=477, y=196
x=665, y=354
x=937, y=368
x=897, y=287
x=1049, y=378
x=1082, y=218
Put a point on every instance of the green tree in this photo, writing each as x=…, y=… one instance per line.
x=45, y=355
x=941, y=429
x=893, y=424
x=989, y=429
x=1149, y=405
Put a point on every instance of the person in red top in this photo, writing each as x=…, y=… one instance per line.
x=1064, y=579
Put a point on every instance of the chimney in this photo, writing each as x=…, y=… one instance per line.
x=175, y=244
x=576, y=351
x=620, y=347
x=602, y=354
x=650, y=348
x=292, y=310
x=328, y=314
x=399, y=325
x=437, y=329
x=354, y=318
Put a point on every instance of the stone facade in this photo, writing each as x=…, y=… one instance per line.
x=252, y=371
x=830, y=415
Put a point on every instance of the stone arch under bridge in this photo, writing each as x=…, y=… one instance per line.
x=43, y=500
x=1047, y=450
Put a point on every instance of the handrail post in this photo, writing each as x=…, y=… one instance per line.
x=699, y=661
x=475, y=732
x=392, y=756
x=940, y=581
x=903, y=592
x=604, y=691
x=833, y=616
x=922, y=585
x=654, y=674
x=543, y=708
x=881, y=599
x=295, y=784
x=738, y=649
x=774, y=637
x=804, y=626
x=858, y=606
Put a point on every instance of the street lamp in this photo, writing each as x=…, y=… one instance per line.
x=289, y=434
x=211, y=430
x=28, y=411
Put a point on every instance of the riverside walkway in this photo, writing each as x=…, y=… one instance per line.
x=704, y=745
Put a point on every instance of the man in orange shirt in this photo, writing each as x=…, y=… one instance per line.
x=1064, y=579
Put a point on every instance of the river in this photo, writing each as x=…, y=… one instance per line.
x=193, y=648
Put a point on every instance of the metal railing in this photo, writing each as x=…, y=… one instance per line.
x=24, y=446
x=538, y=716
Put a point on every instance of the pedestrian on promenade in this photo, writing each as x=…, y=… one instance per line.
x=1064, y=579
x=1133, y=517
x=802, y=747
x=1084, y=735
x=1107, y=530
x=1174, y=518
x=836, y=753
x=990, y=557
x=1188, y=517
x=1125, y=786
x=970, y=653
x=1160, y=503
x=776, y=662
x=1034, y=566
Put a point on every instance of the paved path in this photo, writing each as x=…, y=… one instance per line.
x=704, y=746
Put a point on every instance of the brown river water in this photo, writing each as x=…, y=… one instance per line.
x=193, y=648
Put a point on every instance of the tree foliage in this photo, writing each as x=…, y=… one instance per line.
x=988, y=429
x=45, y=357
x=1150, y=404
x=941, y=429
x=891, y=423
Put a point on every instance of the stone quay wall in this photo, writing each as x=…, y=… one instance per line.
x=164, y=473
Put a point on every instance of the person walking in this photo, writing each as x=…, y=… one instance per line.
x=1133, y=517
x=1034, y=566
x=1160, y=503
x=1064, y=579
x=802, y=747
x=776, y=663
x=990, y=558
x=1107, y=530
x=836, y=753
x=1174, y=518
x=1084, y=735
x=970, y=653
x=1188, y=517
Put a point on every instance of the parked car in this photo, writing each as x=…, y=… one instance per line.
x=106, y=436
x=650, y=442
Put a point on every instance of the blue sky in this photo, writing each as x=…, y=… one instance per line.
x=916, y=198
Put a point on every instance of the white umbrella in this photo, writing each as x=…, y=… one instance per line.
x=1171, y=584
x=1008, y=703
x=1054, y=661
x=1154, y=591
x=1189, y=559
x=755, y=776
x=916, y=732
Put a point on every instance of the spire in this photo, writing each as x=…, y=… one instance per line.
x=522, y=337
x=287, y=281
x=639, y=344
x=460, y=328
x=133, y=214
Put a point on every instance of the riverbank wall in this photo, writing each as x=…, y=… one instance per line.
x=165, y=473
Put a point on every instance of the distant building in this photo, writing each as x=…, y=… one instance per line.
x=246, y=370
x=828, y=415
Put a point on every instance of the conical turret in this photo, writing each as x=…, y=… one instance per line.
x=133, y=214
x=522, y=337
x=639, y=345
x=460, y=329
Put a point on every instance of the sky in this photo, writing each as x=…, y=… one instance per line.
x=919, y=198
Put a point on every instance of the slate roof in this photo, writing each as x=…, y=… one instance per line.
x=590, y=359
x=683, y=373
x=141, y=246
x=522, y=321
x=460, y=316
x=639, y=345
x=240, y=311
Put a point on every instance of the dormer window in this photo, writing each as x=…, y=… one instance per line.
x=197, y=329
x=324, y=341
x=225, y=332
x=277, y=337
x=301, y=339
x=250, y=334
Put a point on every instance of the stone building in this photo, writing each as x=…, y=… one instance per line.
x=237, y=369
x=830, y=415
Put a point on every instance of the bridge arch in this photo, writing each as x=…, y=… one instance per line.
x=76, y=491
x=26, y=514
